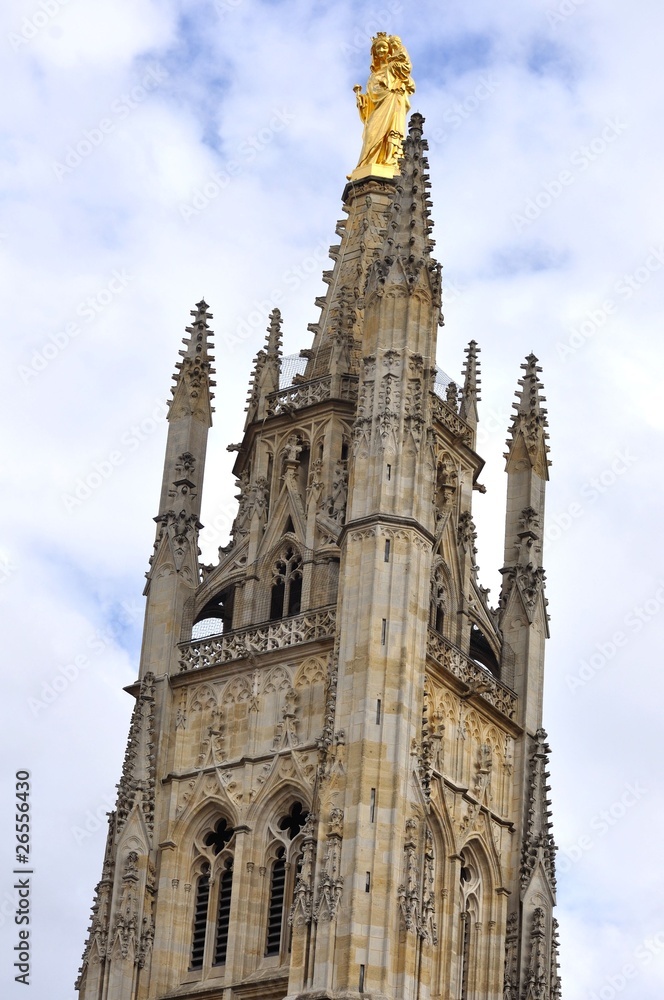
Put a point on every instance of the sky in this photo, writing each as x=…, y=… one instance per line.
x=156, y=152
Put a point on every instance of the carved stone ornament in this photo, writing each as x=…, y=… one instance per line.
x=303, y=896
x=537, y=977
x=334, y=506
x=330, y=886
x=137, y=783
x=511, y=976
x=538, y=841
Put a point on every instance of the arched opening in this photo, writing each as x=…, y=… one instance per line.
x=481, y=651
x=212, y=900
x=286, y=592
x=286, y=868
x=216, y=616
x=472, y=899
x=303, y=470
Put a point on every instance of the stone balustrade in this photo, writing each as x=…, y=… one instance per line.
x=299, y=396
x=476, y=677
x=245, y=642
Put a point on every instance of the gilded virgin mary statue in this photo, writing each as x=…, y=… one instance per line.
x=383, y=108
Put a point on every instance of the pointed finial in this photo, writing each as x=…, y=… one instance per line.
x=267, y=371
x=470, y=395
x=416, y=125
x=192, y=374
x=273, y=341
x=529, y=422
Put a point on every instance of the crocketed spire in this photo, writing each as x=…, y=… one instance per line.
x=470, y=395
x=529, y=422
x=405, y=256
x=192, y=393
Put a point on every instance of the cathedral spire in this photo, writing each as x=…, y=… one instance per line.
x=470, y=395
x=174, y=572
x=523, y=572
x=334, y=733
x=190, y=410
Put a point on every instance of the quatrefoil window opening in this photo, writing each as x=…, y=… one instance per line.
x=218, y=838
x=293, y=822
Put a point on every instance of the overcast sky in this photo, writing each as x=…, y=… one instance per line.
x=157, y=152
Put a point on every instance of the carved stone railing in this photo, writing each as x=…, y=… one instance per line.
x=245, y=642
x=296, y=397
x=448, y=418
x=476, y=677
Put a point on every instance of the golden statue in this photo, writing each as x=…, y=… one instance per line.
x=383, y=108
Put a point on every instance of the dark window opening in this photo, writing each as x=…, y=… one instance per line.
x=303, y=470
x=481, y=651
x=294, y=821
x=276, y=906
x=286, y=594
x=216, y=616
x=200, y=920
x=465, y=954
x=295, y=596
x=220, y=836
x=277, y=599
x=223, y=913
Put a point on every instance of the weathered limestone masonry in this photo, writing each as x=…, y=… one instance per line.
x=335, y=783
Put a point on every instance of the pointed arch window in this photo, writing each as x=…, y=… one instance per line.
x=275, y=913
x=469, y=912
x=286, y=593
x=465, y=953
x=201, y=903
x=283, y=876
x=223, y=913
x=216, y=616
x=212, y=899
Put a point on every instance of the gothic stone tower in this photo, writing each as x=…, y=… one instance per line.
x=336, y=777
